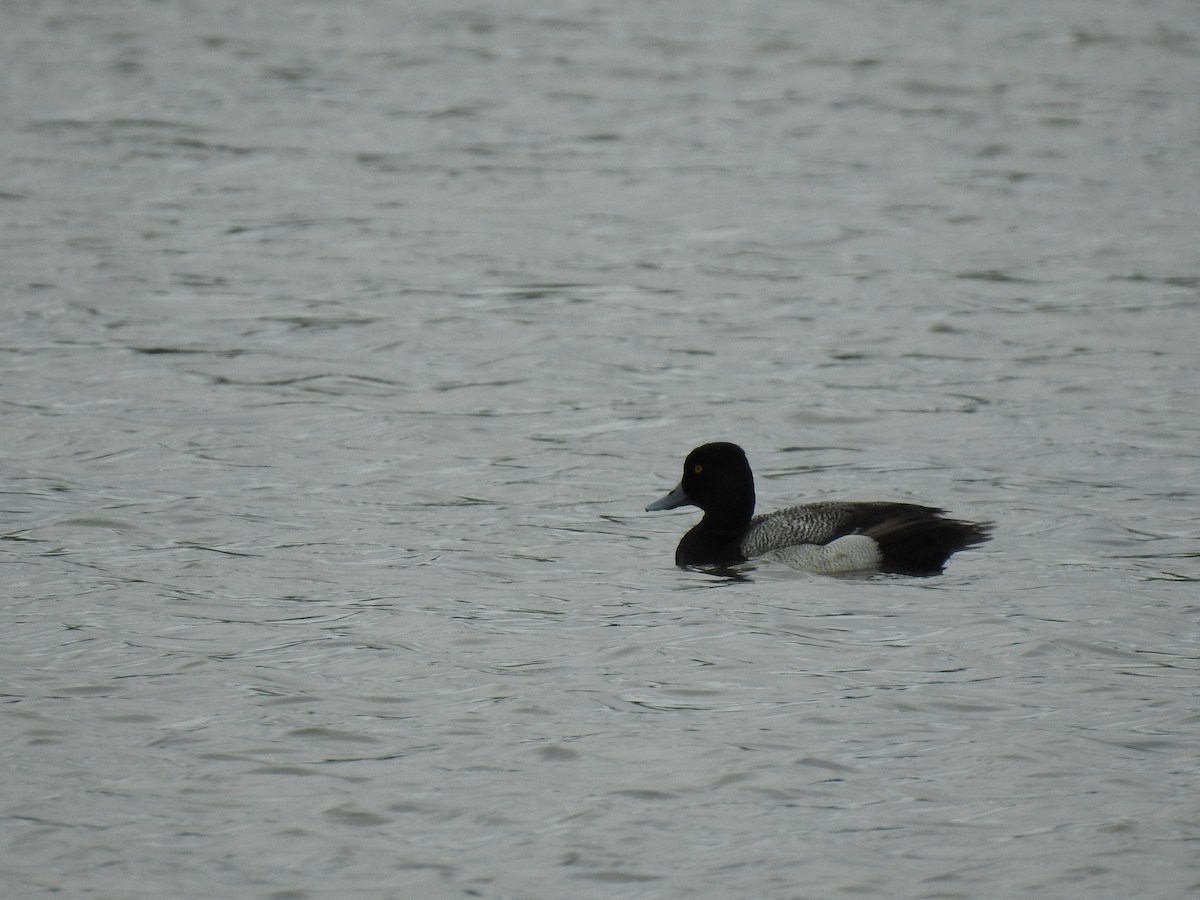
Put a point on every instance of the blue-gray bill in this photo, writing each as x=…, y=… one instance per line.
x=678, y=497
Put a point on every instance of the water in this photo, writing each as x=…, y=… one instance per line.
x=344, y=345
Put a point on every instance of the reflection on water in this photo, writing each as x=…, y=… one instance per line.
x=344, y=347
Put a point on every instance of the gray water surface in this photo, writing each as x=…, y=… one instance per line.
x=344, y=343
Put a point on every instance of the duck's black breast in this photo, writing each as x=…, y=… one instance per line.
x=703, y=546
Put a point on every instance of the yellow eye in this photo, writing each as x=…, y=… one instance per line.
x=697, y=468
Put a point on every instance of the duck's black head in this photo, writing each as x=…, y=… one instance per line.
x=716, y=478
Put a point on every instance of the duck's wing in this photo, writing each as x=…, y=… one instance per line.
x=832, y=537
x=821, y=523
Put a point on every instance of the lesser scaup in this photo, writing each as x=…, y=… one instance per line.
x=830, y=537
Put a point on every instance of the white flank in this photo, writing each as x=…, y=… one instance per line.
x=852, y=553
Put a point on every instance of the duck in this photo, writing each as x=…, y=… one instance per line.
x=829, y=537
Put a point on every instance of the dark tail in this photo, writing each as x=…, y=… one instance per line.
x=920, y=545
